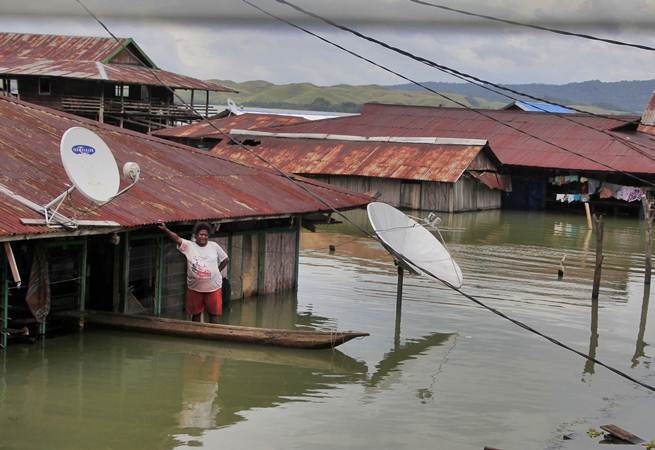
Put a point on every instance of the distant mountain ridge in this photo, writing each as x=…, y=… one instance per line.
x=594, y=96
x=628, y=96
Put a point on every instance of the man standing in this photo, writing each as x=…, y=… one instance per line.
x=205, y=260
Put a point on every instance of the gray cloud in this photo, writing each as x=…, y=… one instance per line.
x=228, y=44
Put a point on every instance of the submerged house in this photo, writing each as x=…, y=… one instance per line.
x=433, y=174
x=112, y=81
x=552, y=160
x=128, y=265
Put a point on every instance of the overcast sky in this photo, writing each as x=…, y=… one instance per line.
x=226, y=39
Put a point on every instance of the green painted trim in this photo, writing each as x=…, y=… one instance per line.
x=5, y=303
x=125, y=279
x=83, y=275
x=229, y=256
x=296, y=268
x=159, y=295
x=129, y=41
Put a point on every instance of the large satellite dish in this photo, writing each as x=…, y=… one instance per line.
x=92, y=169
x=89, y=164
x=413, y=245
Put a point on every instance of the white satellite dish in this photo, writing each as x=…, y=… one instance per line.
x=233, y=108
x=92, y=169
x=412, y=244
x=89, y=164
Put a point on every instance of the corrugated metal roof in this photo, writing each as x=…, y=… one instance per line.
x=511, y=147
x=84, y=58
x=524, y=105
x=427, y=162
x=178, y=183
x=245, y=121
x=647, y=123
x=59, y=47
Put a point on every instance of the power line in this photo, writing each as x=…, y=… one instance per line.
x=366, y=231
x=444, y=96
x=535, y=27
x=468, y=296
x=472, y=79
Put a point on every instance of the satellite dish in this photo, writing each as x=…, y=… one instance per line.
x=233, y=108
x=89, y=164
x=412, y=244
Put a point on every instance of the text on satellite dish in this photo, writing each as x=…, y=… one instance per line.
x=83, y=150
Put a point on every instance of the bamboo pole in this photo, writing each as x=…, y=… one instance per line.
x=598, y=221
x=587, y=210
x=12, y=263
x=648, y=218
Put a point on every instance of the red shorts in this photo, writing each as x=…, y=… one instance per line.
x=197, y=302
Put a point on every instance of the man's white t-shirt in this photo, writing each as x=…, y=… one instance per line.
x=202, y=265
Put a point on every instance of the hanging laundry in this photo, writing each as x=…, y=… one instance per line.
x=609, y=190
x=559, y=197
x=592, y=186
x=629, y=193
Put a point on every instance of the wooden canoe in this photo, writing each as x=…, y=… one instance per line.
x=217, y=332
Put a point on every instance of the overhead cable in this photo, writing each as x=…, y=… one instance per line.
x=470, y=297
x=482, y=83
x=444, y=96
x=533, y=26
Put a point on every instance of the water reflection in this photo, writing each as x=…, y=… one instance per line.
x=129, y=388
x=641, y=345
x=593, y=340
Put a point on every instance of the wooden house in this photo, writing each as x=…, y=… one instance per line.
x=128, y=265
x=110, y=80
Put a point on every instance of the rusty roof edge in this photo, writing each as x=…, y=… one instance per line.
x=347, y=137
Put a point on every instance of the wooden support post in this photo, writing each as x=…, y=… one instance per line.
x=125, y=275
x=598, y=221
x=399, y=286
x=101, y=108
x=159, y=295
x=83, y=273
x=648, y=218
x=296, y=265
x=206, y=104
x=4, y=324
x=587, y=210
x=192, y=95
x=12, y=263
x=122, y=106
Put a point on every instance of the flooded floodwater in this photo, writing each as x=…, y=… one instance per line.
x=446, y=374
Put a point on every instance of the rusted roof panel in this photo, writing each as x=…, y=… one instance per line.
x=84, y=57
x=178, y=183
x=58, y=47
x=246, y=121
x=510, y=146
x=428, y=162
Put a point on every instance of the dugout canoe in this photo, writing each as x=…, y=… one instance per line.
x=217, y=332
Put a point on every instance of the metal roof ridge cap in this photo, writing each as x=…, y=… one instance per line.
x=101, y=70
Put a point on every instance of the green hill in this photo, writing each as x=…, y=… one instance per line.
x=343, y=98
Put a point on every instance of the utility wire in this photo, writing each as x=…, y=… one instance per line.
x=410, y=263
x=484, y=84
x=444, y=96
x=374, y=236
x=221, y=131
x=533, y=26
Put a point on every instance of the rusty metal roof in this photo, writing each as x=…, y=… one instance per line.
x=510, y=146
x=178, y=183
x=408, y=161
x=247, y=121
x=84, y=57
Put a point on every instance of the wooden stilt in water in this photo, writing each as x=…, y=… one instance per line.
x=587, y=210
x=648, y=218
x=598, y=222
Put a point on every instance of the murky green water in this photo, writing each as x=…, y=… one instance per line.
x=448, y=375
